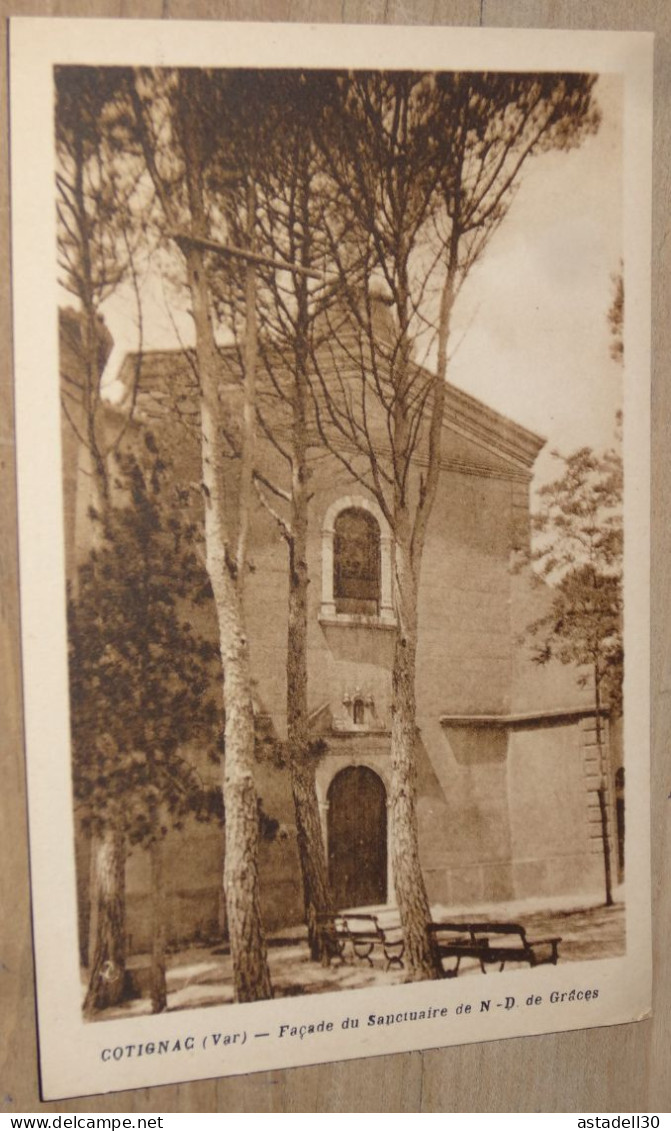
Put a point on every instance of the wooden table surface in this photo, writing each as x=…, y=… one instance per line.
x=624, y=1068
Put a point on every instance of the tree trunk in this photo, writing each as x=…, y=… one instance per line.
x=420, y=957
x=602, y=792
x=108, y=945
x=226, y=564
x=317, y=899
x=316, y=894
x=224, y=556
x=159, y=994
x=241, y=883
x=241, y=879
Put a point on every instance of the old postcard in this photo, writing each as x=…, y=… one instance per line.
x=332, y=386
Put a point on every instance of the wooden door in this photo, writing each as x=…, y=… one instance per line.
x=357, y=838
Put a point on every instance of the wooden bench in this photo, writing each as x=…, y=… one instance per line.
x=474, y=940
x=367, y=932
x=455, y=940
x=364, y=932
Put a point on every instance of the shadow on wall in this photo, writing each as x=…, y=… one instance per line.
x=476, y=746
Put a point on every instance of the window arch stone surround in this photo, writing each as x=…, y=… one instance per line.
x=328, y=613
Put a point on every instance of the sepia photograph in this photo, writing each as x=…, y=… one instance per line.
x=342, y=450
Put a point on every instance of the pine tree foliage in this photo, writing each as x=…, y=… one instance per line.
x=102, y=233
x=98, y=183
x=421, y=170
x=143, y=675
x=99, y=230
x=578, y=552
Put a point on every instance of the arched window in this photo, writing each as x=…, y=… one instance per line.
x=356, y=563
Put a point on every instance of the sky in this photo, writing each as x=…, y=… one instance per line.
x=530, y=332
x=533, y=315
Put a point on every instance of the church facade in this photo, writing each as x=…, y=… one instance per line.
x=507, y=759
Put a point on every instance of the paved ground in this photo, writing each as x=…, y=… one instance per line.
x=202, y=975
x=586, y=933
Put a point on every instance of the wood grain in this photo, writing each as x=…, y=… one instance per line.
x=624, y=1068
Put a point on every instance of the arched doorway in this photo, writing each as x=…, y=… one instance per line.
x=357, y=838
